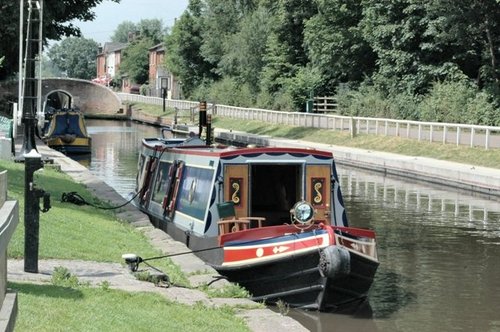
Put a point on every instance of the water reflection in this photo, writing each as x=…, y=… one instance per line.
x=438, y=247
x=115, y=146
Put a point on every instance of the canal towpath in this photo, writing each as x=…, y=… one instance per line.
x=118, y=276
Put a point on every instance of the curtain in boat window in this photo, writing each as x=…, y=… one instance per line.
x=161, y=182
x=195, y=192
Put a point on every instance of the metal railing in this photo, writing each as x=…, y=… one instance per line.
x=446, y=133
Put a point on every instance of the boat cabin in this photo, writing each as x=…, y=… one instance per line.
x=189, y=184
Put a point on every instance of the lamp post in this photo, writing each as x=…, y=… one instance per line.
x=164, y=87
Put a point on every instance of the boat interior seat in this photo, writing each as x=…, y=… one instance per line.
x=228, y=222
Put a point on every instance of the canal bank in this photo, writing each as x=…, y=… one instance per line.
x=118, y=276
x=482, y=180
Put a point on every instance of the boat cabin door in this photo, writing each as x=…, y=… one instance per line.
x=318, y=190
x=236, y=188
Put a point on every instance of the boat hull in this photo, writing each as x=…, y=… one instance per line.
x=80, y=145
x=300, y=282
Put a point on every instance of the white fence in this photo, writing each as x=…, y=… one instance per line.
x=451, y=133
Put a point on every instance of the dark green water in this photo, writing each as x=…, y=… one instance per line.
x=439, y=249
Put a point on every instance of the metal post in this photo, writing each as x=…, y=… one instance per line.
x=209, y=130
x=203, y=117
x=164, y=95
x=32, y=163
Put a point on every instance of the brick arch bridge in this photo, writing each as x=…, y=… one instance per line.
x=88, y=96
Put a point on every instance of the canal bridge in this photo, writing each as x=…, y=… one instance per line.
x=89, y=97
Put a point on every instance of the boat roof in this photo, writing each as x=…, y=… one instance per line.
x=224, y=151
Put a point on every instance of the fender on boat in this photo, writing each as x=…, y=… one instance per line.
x=334, y=261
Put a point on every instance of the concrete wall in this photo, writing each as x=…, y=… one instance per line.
x=9, y=218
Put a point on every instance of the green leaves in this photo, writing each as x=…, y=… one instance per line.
x=76, y=56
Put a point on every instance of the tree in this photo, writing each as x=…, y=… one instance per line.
x=122, y=31
x=243, y=58
x=183, y=56
x=335, y=44
x=152, y=29
x=58, y=17
x=76, y=56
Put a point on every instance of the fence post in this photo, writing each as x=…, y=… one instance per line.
x=431, y=129
x=472, y=131
x=445, y=132
x=353, y=127
x=419, y=132
x=487, y=139
x=458, y=136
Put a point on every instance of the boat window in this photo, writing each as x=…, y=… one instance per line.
x=195, y=192
x=140, y=173
x=161, y=182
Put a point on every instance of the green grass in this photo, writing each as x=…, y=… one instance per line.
x=81, y=308
x=69, y=231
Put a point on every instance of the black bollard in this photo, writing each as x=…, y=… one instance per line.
x=32, y=163
x=203, y=117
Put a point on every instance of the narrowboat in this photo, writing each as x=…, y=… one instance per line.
x=270, y=219
x=67, y=132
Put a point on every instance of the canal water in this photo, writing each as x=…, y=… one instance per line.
x=439, y=249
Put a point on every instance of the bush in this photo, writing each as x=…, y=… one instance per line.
x=226, y=91
x=458, y=102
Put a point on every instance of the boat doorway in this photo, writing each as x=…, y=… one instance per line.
x=273, y=190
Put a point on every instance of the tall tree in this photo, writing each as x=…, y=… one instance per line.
x=243, y=58
x=220, y=21
x=76, y=56
x=122, y=32
x=183, y=56
x=58, y=17
x=152, y=29
x=335, y=43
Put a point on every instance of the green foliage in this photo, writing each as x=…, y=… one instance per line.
x=458, y=102
x=58, y=23
x=226, y=91
x=135, y=60
x=122, y=31
x=184, y=57
x=75, y=56
x=229, y=291
x=394, y=50
x=63, y=277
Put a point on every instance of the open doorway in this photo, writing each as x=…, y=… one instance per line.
x=274, y=189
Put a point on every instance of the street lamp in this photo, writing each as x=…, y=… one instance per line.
x=164, y=87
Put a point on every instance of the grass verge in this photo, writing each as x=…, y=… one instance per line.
x=82, y=308
x=82, y=232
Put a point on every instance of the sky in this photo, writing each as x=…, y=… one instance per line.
x=110, y=14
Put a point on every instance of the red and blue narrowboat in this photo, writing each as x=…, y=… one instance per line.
x=271, y=219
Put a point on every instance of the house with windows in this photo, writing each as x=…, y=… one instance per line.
x=159, y=77
x=108, y=62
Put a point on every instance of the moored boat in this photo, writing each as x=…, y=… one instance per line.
x=270, y=219
x=67, y=132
